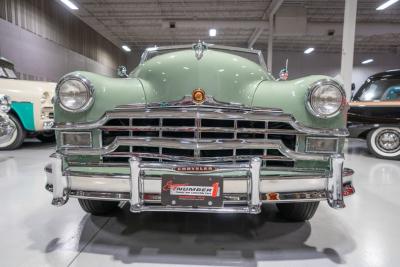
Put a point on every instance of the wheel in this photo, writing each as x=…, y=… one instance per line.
x=46, y=137
x=98, y=207
x=300, y=211
x=17, y=137
x=384, y=142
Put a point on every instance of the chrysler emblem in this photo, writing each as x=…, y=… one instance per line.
x=198, y=96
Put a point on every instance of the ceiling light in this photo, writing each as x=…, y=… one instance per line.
x=367, y=61
x=386, y=4
x=126, y=48
x=69, y=4
x=309, y=50
x=212, y=32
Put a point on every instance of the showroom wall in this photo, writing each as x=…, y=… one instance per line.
x=301, y=64
x=45, y=41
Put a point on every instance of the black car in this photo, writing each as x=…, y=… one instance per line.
x=375, y=114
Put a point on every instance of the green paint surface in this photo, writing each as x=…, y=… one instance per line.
x=24, y=111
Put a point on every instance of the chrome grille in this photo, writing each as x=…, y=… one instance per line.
x=198, y=129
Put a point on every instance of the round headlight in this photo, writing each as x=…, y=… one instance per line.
x=325, y=99
x=5, y=103
x=75, y=93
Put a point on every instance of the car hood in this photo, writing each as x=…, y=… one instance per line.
x=224, y=76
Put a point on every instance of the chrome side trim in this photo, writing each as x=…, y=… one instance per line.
x=202, y=144
x=210, y=109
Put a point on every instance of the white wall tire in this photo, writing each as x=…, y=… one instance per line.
x=17, y=137
x=384, y=142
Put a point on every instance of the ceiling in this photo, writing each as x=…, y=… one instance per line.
x=142, y=23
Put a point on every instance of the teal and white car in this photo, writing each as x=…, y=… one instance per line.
x=200, y=128
x=31, y=112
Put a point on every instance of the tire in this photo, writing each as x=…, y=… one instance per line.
x=384, y=142
x=298, y=212
x=98, y=207
x=47, y=137
x=18, y=136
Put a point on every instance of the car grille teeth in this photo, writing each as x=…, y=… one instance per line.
x=198, y=129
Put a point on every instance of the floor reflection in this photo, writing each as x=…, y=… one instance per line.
x=216, y=239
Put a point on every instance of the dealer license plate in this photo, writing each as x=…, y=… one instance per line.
x=193, y=191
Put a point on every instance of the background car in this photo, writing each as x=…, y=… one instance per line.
x=374, y=114
x=31, y=110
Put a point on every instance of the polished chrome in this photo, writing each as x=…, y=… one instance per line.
x=335, y=182
x=202, y=144
x=199, y=49
x=248, y=203
x=210, y=109
x=136, y=188
x=5, y=103
x=255, y=202
x=88, y=85
x=388, y=140
x=7, y=128
x=315, y=86
x=60, y=182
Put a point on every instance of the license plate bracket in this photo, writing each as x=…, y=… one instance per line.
x=191, y=191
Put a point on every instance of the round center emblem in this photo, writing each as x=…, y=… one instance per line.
x=198, y=95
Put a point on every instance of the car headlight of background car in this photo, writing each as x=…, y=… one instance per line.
x=325, y=99
x=5, y=103
x=75, y=93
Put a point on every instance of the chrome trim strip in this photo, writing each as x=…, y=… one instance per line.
x=202, y=144
x=211, y=109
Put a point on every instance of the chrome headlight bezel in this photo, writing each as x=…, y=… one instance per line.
x=5, y=103
x=89, y=89
x=316, y=85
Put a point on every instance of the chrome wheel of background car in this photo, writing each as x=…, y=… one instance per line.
x=385, y=142
x=17, y=136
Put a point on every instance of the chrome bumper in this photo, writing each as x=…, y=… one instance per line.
x=6, y=128
x=242, y=194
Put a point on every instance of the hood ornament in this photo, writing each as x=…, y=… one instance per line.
x=199, y=49
x=198, y=96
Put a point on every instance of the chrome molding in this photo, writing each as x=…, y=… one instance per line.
x=202, y=144
x=210, y=109
x=244, y=203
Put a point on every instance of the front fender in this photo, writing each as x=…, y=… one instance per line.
x=290, y=96
x=108, y=93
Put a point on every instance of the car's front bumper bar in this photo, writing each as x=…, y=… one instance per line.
x=245, y=186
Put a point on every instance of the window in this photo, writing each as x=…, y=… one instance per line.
x=385, y=90
x=2, y=73
x=10, y=73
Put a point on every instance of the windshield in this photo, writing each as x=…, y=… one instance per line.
x=383, y=90
x=10, y=73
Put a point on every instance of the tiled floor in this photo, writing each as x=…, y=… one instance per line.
x=34, y=233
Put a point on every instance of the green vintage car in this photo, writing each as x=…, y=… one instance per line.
x=200, y=128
